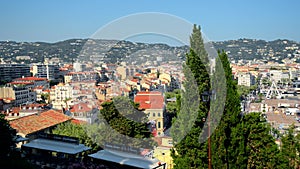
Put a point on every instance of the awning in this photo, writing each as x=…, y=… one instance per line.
x=125, y=159
x=20, y=139
x=56, y=146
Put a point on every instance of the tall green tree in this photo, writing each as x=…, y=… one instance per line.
x=125, y=122
x=290, y=148
x=188, y=151
x=222, y=148
x=256, y=147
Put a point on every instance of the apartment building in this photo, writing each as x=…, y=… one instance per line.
x=61, y=96
x=9, y=72
x=21, y=92
x=246, y=79
x=47, y=71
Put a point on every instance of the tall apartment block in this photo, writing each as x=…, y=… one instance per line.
x=49, y=71
x=8, y=72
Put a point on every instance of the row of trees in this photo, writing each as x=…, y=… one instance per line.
x=238, y=141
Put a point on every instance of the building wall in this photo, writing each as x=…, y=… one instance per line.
x=9, y=72
x=123, y=72
x=246, y=79
x=60, y=94
x=158, y=116
x=163, y=151
x=276, y=75
x=7, y=92
x=46, y=71
x=21, y=94
x=68, y=78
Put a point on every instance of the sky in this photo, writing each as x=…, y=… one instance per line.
x=56, y=20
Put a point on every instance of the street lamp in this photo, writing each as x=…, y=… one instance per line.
x=206, y=97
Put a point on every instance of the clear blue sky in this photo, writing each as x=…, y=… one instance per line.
x=55, y=20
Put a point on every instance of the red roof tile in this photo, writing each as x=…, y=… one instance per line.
x=75, y=121
x=134, y=80
x=30, y=79
x=21, y=83
x=37, y=122
x=138, y=74
x=81, y=107
x=150, y=100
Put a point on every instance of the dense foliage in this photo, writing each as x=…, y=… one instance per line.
x=6, y=138
x=239, y=140
x=186, y=129
x=78, y=131
x=9, y=158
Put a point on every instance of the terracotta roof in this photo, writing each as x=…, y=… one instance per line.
x=149, y=93
x=47, y=91
x=37, y=122
x=134, y=80
x=8, y=99
x=30, y=79
x=81, y=107
x=138, y=74
x=38, y=87
x=150, y=100
x=63, y=69
x=75, y=121
x=22, y=83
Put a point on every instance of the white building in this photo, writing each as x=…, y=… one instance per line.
x=79, y=67
x=46, y=71
x=279, y=75
x=246, y=79
x=61, y=96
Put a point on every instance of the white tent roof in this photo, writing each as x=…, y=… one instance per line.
x=125, y=159
x=57, y=146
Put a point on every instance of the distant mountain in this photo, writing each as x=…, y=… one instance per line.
x=113, y=50
x=86, y=49
x=250, y=49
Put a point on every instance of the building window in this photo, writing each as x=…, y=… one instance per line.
x=158, y=114
x=153, y=114
x=158, y=125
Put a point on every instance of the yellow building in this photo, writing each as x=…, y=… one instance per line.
x=153, y=105
x=163, y=151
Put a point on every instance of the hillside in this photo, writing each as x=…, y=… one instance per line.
x=113, y=51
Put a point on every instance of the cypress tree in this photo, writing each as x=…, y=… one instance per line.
x=221, y=138
x=188, y=151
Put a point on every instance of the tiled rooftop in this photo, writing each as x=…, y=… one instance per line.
x=150, y=100
x=30, y=79
x=37, y=122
